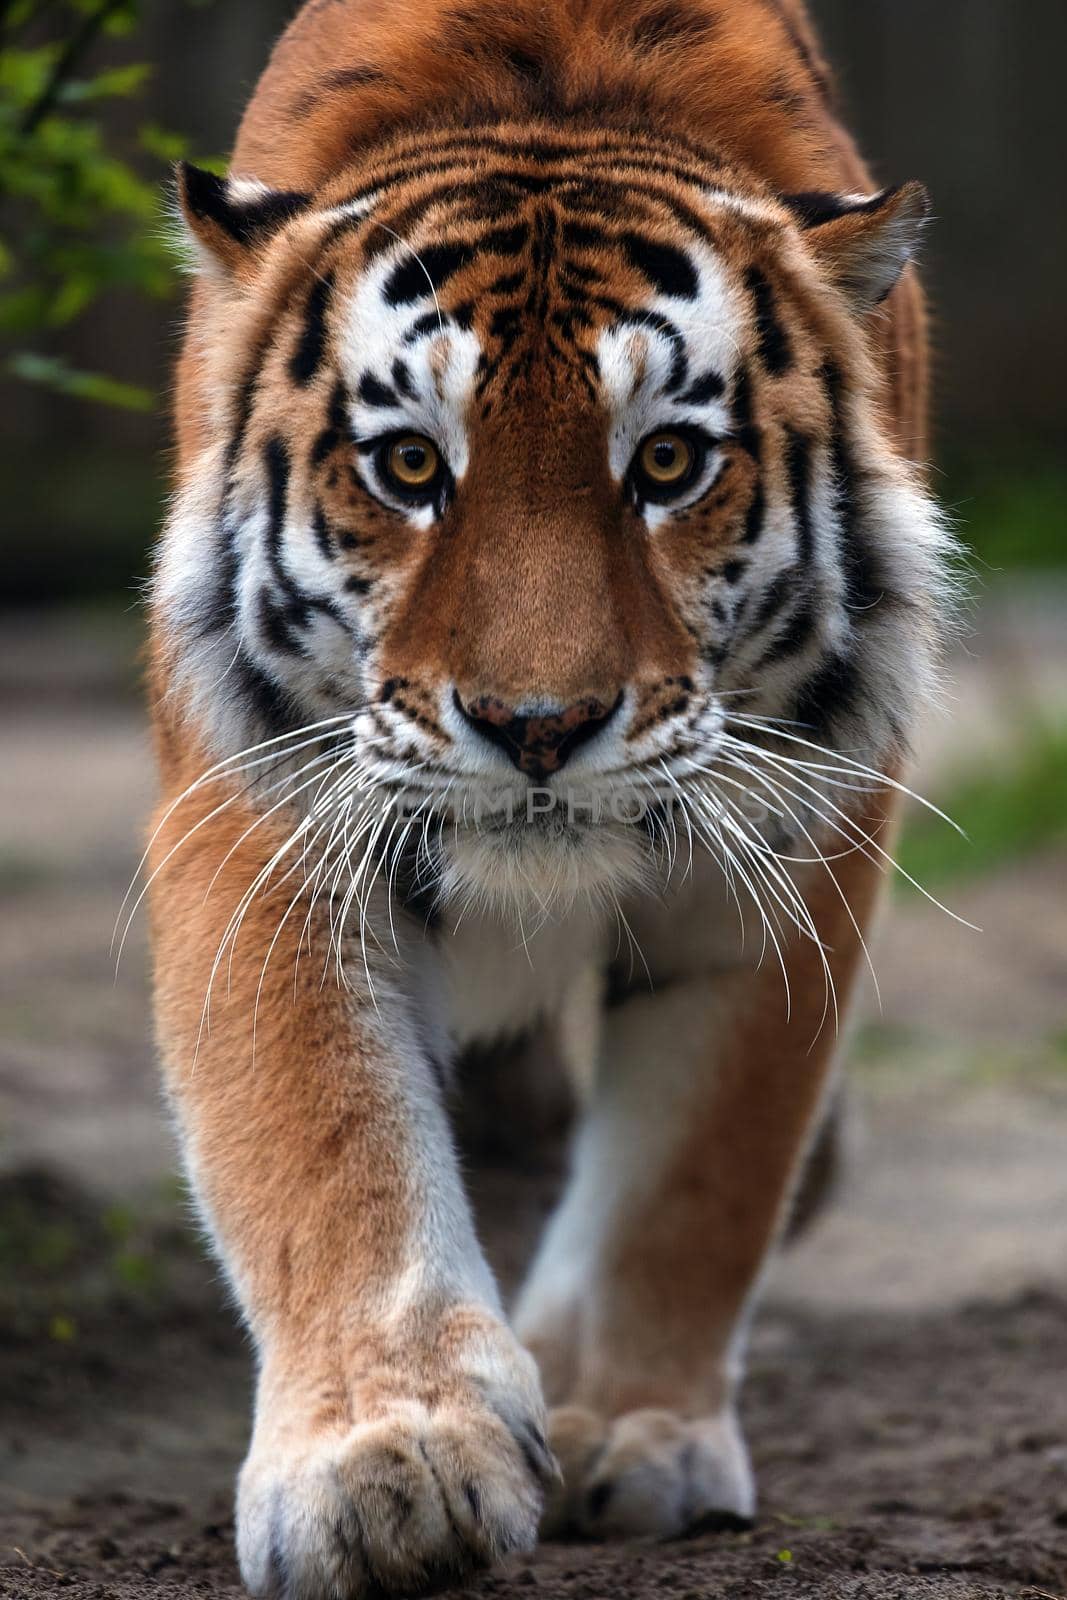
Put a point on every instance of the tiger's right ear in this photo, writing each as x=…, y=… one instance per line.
x=230, y=219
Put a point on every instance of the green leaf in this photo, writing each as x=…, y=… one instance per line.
x=24, y=73
x=54, y=372
x=23, y=309
x=161, y=143
x=19, y=14
x=116, y=82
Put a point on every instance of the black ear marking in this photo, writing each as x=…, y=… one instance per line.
x=229, y=224
x=863, y=242
x=813, y=207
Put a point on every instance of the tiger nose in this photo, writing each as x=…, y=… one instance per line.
x=539, y=741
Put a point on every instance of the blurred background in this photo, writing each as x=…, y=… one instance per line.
x=122, y=1384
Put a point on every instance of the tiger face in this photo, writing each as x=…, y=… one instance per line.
x=539, y=463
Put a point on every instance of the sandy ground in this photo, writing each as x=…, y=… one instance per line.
x=907, y=1404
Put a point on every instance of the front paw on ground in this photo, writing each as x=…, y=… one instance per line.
x=400, y=1505
x=647, y=1474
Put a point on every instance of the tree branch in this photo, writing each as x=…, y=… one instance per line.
x=66, y=63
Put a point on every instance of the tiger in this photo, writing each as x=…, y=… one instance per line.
x=548, y=600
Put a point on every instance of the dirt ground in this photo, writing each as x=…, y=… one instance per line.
x=907, y=1399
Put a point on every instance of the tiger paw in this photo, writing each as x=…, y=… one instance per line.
x=647, y=1474
x=412, y=1498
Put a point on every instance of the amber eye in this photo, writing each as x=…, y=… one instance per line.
x=412, y=463
x=666, y=460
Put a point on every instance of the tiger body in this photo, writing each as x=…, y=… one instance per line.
x=546, y=594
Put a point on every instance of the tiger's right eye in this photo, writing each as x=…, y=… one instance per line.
x=666, y=459
x=666, y=464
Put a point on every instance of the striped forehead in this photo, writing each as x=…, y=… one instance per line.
x=639, y=307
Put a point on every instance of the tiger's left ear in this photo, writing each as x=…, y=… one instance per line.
x=864, y=242
x=232, y=218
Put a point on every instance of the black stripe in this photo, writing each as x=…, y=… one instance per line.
x=811, y=66
x=709, y=386
x=320, y=528
x=507, y=283
x=864, y=583
x=375, y=393
x=276, y=464
x=794, y=636
x=778, y=592
x=520, y=62
x=583, y=236
x=336, y=428
x=672, y=24
x=503, y=241
x=333, y=83
x=774, y=348
x=266, y=699
x=417, y=276
x=276, y=624
x=415, y=882
x=307, y=357
x=218, y=608
x=325, y=441
x=830, y=692
x=402, y=379
x=296, y=604
x=611, y=193
x=798, y=468
x=668, y=269
x=748, y=436
x=429, y=322
x=745, y=431
x=221, y=610
x=754, y=515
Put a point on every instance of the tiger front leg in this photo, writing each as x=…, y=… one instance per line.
x=399, y=1427
x=638, y=1303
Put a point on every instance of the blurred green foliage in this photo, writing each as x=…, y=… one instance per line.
x=1015, y=516
x=81, y=217
x=1004, y=814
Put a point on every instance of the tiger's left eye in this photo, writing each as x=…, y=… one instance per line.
x=412, y=462
x=665, y=463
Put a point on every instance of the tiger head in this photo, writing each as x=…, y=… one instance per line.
x=546, y=461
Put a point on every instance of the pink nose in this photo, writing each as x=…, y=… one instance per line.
x=537, y=742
